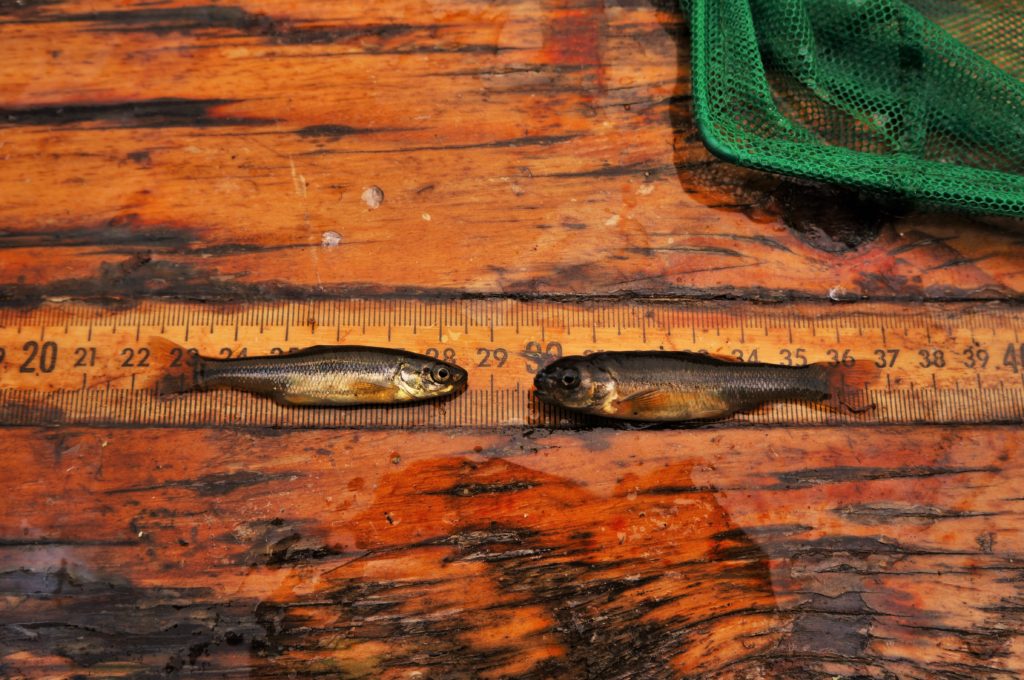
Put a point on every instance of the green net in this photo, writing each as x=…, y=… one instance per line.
x=920, y=98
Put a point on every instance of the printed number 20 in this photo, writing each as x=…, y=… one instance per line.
x=45, y=357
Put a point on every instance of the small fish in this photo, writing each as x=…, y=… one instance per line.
x=673, y=386
x=342, y=375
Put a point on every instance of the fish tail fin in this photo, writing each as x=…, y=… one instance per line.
x=848, y=384
x=181, y=370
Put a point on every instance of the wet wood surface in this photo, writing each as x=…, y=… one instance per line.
x=439, y=148
x=795, y=553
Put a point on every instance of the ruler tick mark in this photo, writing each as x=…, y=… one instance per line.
x=904, y=397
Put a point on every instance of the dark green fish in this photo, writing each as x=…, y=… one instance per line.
x=343, y=375
x=671, y=386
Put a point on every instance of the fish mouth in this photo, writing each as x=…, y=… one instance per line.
x=542, y=385
x=459, y=383
x=543, y=382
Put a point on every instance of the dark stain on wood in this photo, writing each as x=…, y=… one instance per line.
x=840, y=474
x=123, y=235
x=164, y=629
x=330, y=131
x=25, y=7
x=473, y=489
x=513, y=143
x=165, y=112
x=213, y=484
x=162, y=20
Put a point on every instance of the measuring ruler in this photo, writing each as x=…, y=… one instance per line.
x=72, y=363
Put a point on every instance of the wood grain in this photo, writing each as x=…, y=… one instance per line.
x=798, y=553
x=525, y=148
x=533, y=146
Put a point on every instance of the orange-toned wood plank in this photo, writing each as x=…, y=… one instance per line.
x=538, y=146
x=788, y=553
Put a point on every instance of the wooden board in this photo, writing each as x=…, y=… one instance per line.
x=724, y=554
x=524, y=149
x=538, y=146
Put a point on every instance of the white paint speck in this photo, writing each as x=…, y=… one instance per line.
x=373, y=197
x=426, y=217
x=645, y=190
x=330, y=239
x=836, y=293
x=298, y=180
x=612, y=221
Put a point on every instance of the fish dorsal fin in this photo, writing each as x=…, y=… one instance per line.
x=317, y=350
x=642, y=402
x=686, y=355
x=710, y=359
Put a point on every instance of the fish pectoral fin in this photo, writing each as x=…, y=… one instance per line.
x=297, y=399
x=642, y=402
x=375, y=392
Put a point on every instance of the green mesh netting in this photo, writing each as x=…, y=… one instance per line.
x=921, y=98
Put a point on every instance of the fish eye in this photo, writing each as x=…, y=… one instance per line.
x=441, y=374
x=570, y=378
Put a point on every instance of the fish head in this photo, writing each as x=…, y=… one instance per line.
x=425, y=378
x=576, y=383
